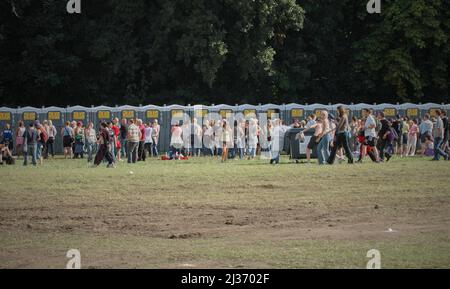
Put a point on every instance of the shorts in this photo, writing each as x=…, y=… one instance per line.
x=399, y=140
x=67, y=141
x=371, y=141
x=312, y=142
x=405, y=139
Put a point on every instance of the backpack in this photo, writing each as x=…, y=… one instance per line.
x=9, y=160
x=29, y=136
x=393, y=136
x=44, y=135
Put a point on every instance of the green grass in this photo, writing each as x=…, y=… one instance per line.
x=241, y=214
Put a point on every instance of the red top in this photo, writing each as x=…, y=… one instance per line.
x=116, y=130
x=142, y=129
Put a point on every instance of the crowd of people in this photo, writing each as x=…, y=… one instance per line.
x=331, y=137
x=376, y=136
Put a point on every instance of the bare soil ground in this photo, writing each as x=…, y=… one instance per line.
x=241, y=214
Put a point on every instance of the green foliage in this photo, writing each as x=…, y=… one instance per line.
x=224, y=51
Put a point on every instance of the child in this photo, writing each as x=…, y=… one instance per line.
x=429, y=147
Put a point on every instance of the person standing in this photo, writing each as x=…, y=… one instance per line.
x=148, y=141
x=226, y=139
x=51, y=132
x=141, y=127
x=7, y=137
x=208, y=135
x=31, y=138
x=324, y=139
x=240, y=139
x=426, y=129
x=42, y=140
x=90, y=137
x=342, y=137
x=104, y=150
x=445, y=143
x=73, y=125
x=405, y=136
x=252, y=138
x=198, y=132
x=68, y=138
x=439, y=137
x=413, y=135
x=155, y=137
x=20, y=132
x=397, y=125
x=79, y=141
x=123, y=137
x=133, y=138
x=176, y=140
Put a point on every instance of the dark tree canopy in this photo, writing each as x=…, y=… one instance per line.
x=224, y=51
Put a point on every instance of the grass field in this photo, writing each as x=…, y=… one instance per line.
x=242, y=214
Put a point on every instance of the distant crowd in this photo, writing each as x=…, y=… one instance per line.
x=331, y=137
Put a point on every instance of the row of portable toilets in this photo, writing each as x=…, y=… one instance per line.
x=168, y=115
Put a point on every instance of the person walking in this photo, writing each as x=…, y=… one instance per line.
x=438, y=133
x=342, y=137
x=104, y=151
x=370, y=135
x=383, y=137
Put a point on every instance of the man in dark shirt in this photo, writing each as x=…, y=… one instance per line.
x=383, y=137
x=397, y=125
x=123, y=137
x=445, y=120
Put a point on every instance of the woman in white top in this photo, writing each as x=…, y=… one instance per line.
x=240, y=139
x=217, y=136
x=148, y=142
x=186, y=128
x=225, y=139
x=252, y=137
x=208, y=133
x=176, y=141
x=91, y=141
x=198, y=132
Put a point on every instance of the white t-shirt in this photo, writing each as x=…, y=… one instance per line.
x=310, y=123
x=370, y=131
x=148, y=134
